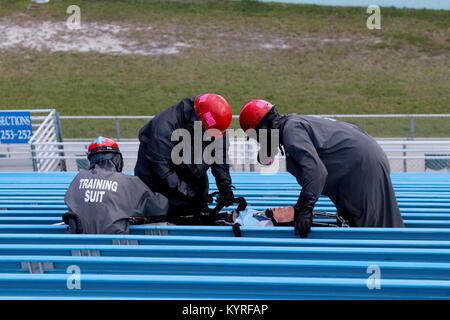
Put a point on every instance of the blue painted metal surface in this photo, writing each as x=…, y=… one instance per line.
x=196, y=262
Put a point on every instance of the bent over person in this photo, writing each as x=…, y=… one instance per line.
x=333, y=158
x=103, y=199
x=185, y=183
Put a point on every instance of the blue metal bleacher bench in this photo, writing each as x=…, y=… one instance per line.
x=196, y=262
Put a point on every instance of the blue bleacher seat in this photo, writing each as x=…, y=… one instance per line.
x=208, y=262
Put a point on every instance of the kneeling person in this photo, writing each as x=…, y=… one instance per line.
x=186, y=184
x=103, y=199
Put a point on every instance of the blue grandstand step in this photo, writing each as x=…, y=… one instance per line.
x=215, y=287
x=5, y=220
x=6, y=194
x=224, y=267
x=426, y=223
x=6, y=202
x=253, y=252
x=209, y=262
x=59, y=214
x=28, y=213
x=30, y=220
x=46, y=210
x=33, y=192
x=34, y=206
x=215, y=241
x=267, y=232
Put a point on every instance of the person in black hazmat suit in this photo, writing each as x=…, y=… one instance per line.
x=186, y=184
x=329, y=157
x=103, y=199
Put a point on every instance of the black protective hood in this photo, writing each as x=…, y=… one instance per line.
x=108, y=161
x=268, y=148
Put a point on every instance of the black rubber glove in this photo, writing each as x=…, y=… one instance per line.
x=226, y=195
x=185, y=190
x=204, y=207
x=303, y=213
x=208, y=198
x=303, y=221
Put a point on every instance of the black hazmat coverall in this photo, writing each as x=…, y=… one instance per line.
x=341, y=161
x=105, y=200
x=185, y=184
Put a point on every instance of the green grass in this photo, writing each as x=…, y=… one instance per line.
x=402, y=68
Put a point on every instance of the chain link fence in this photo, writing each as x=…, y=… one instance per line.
x=413, y=143
x=379, y=125
x=395, y=132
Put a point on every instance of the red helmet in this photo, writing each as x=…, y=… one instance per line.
x=102, y=144
x=252, y=113
x=214, y=112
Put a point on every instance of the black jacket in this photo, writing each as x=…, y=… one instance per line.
x=104, y=200
x=341, y=161
x=178, y=182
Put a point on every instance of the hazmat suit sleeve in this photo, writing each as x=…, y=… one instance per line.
x=152, y=205
x=158, y=154
x=310, y=171
x=221, y=169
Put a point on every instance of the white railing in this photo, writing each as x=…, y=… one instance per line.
x=45, y=155
x=411, y=117
x=22, y=157
x=242, y=153
x=48, y=152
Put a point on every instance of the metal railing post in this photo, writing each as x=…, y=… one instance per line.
x=118, y=129
x=251, y=165
x=33, y=157
x=405, y=164
x=59, y=137
x=411, y=127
